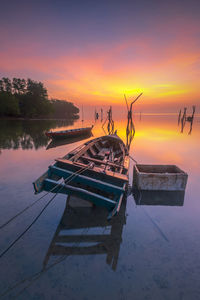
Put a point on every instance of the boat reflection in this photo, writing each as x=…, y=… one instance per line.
x=84, y=230
x=66, y=141
x=167, y=198
x=27, y=134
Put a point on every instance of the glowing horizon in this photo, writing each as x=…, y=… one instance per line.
x=97, y=58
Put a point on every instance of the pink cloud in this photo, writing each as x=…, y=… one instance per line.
x=101, y=71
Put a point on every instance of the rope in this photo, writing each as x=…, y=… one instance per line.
x=132, y=158
x=13, y=243
x=66, y=181
x=29, y=206
x=149, y=216
x=21, y=212
x=37, y=275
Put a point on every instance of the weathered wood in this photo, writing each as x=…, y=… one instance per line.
x=76, y=156
x=107, y=187
x=38, y=184
x=159, y=177
x=101, y=182
x=116, y=208
x=95, y=170
x=97, y=199
x=102, y=162
x=68, y=133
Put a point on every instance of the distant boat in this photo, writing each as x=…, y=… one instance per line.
x=66, y=141
x=96, y=171
x=69, y=133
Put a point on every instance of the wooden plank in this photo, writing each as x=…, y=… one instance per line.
x=114, y=175
x=83, y=150
x=101, y=161
x=91, y=150
x=76, y=150
x=62, y=188
x=117, y=207
x=126, y=162
x=110, y=188
x=38, y=184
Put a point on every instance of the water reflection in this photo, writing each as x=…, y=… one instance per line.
x=84, y=230
x=57, y=143
x=140, y=273
x=184, y=119
x=167, y=198
x=109, y=123
x=27, y=134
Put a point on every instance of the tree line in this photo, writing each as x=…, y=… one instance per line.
x=27, y=134
x=29, y=99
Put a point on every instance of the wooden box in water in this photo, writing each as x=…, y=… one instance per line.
x=159, y=177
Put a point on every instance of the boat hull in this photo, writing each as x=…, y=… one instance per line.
x=99, y=179
x=57, y=135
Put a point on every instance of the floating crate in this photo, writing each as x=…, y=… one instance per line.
x=159, y=177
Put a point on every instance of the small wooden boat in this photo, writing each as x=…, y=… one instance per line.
x=61, y=142
x=96, y=171
x=69, y=133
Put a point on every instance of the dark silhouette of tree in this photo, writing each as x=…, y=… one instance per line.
x=29, y=99
x=19, y=86
x=64, y=109
x=9, y=105
x=7, y=85
x=27, y=134
x=1, y=86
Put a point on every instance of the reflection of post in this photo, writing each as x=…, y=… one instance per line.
x=110, y=125
x=179, y=117
x=83, y=217
x=95, y=115
x=191, y=118
x=82, y=116
x=101, y=115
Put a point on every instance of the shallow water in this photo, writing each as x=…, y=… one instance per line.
x=147, y=252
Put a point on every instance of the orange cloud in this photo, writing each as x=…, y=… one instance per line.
x=164, y=73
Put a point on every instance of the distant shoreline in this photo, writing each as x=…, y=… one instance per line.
x=39, y=119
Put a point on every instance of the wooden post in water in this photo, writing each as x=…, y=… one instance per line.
x=183, y=119
x=130, y=128
x=179, y=117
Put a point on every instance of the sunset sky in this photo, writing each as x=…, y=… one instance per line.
x=92, y=52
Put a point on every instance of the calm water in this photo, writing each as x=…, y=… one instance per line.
x=147, y=252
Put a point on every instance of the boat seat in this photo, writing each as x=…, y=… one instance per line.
x=104, y=152
x=98, y=161
x=92, y=151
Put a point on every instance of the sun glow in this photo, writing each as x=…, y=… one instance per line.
x=160, y=60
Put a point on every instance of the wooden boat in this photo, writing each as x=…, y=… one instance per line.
x=69, y=133
x=61, y=142
x=96, y=171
